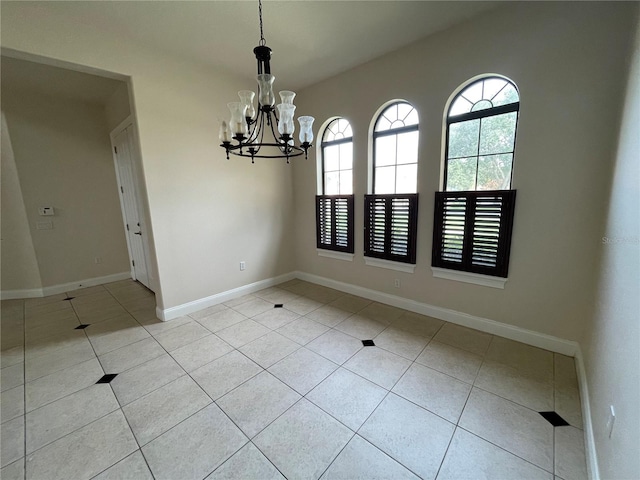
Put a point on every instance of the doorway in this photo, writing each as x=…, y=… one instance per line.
x=125, y=158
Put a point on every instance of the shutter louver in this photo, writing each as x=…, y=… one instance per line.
x=341, y=211
x=472, y=231
x=400, y=226
x=377, y=221
x=390, y=227
x=486, y=231
x=453, y=228
x=334, y=222
x=324, y=221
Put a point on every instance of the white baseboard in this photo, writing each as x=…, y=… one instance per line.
x=16, y=294
x=540, y=340
x=62, y=288
x=196, y=305
x=589, y=440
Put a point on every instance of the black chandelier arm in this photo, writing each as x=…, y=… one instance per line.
x=294, y=151
x=250, y=145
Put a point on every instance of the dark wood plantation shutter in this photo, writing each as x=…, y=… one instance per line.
x=391, y=223
x=472, y=231
x=334, y=222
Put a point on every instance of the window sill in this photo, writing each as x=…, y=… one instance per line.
x=467, y=277
x=336, y=255
x=390, y=265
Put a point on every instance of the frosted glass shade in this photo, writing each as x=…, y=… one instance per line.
x=287, y=96
x=246, y=98
x=286, y=126
x=265, y=89
x=306, y=132
x=238, y=123
x=224, y=134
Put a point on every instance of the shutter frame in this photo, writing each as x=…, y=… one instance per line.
x=392, y=239
x=485, y=211
x=339, y=209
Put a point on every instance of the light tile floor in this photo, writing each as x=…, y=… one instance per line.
x=249, y=391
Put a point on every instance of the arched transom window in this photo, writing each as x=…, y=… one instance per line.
x=395, y=150
x=481, y=135
x=337, y=158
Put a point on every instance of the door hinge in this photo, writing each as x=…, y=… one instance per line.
x=133, y=262
x=115, y=149
x=121, y=190
x=127, y=227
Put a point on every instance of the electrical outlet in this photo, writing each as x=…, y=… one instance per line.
x=242, y=266
x=612, y=420
x=396, y=283
x=47, y=225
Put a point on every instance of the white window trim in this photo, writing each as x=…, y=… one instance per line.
x=390, y=265
x=468, y=277
x=336, y=255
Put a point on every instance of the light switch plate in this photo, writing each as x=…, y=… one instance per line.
x=46, y=211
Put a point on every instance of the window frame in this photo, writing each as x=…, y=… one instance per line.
x=475, y=222
x=405, y=201
x=385, y=133
x=479, y=114
x=324, y=144
x=334, y=205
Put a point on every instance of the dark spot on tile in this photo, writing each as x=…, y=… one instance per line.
x=107, y=378
x=82, y=327
x=278, y=305
x=368, y=343
x=554, y=419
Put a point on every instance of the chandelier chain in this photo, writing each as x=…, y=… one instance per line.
x=262, y=40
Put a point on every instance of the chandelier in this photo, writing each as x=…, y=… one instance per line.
x=249, y=125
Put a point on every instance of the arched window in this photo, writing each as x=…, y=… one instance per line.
x=337, y=158
x=395, y=150
x=334, y=208
x=473, y=216
x=481, y=136
x=391, y=211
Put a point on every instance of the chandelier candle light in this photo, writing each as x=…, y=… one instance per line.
x=248, y=125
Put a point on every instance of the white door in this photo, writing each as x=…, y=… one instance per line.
x=124, y=153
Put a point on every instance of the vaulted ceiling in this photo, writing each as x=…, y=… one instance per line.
x=311, y=40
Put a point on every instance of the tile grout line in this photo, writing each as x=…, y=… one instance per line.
x=280, y=415
x=413, y=362
x=116, y=397
x=65, y=396
x=456, y=425
x=119, y=406
x=505, y=450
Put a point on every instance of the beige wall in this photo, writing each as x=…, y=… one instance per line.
x=611, y=352
x=63, y=157
x=18, y=266
x=207, y=214
x=569, y=75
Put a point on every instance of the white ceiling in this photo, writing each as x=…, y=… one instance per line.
x=311, y=40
